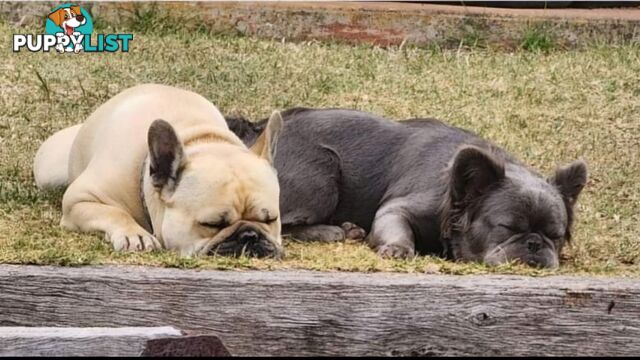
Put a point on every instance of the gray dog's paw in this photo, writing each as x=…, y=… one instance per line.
x=353, y=231
x=134, y=242
x=396, y=251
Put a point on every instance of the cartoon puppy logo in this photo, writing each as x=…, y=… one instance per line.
x=69, y=19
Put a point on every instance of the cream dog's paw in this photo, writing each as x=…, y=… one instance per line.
x=134, y=241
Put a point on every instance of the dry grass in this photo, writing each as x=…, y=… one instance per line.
x=547, y=108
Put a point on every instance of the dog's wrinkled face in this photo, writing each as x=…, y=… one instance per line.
x=499, y=213
x=215, y=199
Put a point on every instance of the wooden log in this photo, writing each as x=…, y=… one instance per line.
x=313, y=313
x=53, y=341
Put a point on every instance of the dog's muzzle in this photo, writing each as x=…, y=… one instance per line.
x=248, y=241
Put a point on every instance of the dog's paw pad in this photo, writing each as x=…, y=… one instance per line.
x=353, y=231
x=396, y=251
x=135, y=242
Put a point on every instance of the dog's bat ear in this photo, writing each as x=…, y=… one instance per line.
x=473, y=172
x=266, y=144
x=570, y=180
x=57, y=16
x=166, y=157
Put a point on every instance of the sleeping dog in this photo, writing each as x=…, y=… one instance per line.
x=156, y=167
x=417, y=186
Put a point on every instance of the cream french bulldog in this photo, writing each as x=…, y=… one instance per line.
x=157, y=166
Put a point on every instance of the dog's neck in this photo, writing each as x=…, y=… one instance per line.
x=207, y=134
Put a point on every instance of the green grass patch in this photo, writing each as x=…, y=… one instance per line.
x=548, y=108
x=538, y=38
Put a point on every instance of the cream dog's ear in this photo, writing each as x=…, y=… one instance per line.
x=57, y=16
x=166, y=157
x=265, y=145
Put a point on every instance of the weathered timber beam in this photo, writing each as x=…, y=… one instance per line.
x=332, y=313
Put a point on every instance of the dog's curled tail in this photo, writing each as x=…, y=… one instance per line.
x=51, y=163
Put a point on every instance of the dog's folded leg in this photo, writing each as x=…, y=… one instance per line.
x=119, y=227
x=321, y=233
x=325, y=233
x=391, y=234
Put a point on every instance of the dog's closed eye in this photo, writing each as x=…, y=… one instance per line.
x=221, y=224
x=554, y=235
x=511, y=228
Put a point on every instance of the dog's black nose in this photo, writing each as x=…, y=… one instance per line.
x=80, y=17
x=534, y=244
x=248, y=236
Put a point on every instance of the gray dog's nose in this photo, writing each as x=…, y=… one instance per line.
x=248, y=236
x=534, y=244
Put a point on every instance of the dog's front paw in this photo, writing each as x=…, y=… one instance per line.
x=353, y=231
x=396, y=251
x=134, y=241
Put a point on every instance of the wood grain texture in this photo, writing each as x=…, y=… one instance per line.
x=190, y=346
x=53, y=341
x=313, y=313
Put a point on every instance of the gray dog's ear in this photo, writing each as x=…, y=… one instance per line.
x=166, y=156
x=266, y=144
x=473, y=172
x=570, y=180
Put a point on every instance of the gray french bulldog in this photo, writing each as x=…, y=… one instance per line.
x=416, y=186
